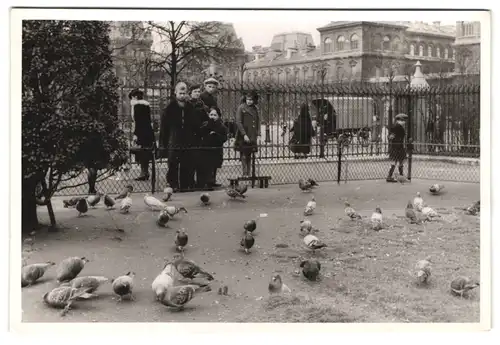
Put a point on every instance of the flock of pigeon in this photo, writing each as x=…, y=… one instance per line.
x=182, y=279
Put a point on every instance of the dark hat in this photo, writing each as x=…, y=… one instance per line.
x=136, y=93
x=211, y=81
x=401, y=116
x=194, y=87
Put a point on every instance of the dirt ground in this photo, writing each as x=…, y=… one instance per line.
x=365, y=274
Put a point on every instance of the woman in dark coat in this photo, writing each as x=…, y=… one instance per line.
x=213, y=137
x=303, y=131
x=143, y=131
x=397, y=150
x=248, y=134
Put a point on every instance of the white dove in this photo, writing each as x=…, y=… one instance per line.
x=126, y=204
x=153, y=203
x=173, y=210
x=377, y=219
x=436, y=188
x=429, y=213
x=310, y=207
x=312, y=242
x=418, y=202
x=305, y=226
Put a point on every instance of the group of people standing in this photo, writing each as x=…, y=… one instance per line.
x=192, y=135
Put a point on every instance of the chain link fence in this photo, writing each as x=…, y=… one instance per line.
x=351, y=124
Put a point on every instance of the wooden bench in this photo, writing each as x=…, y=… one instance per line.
x=263, y=181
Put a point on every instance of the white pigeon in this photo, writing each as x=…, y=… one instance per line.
x=153, y=203
x=173, y=210
x=165, y=279
x=418, y=202
x=436, y=188
x=126, y=204
x=305, y=226
x=312, y=242
x=377, y=219
x=429, y=213
x=310, y=207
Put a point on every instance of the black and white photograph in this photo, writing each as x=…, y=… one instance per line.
x=266, y=166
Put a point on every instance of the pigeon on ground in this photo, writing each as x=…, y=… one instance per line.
x=69, y=268
x=462, y=285
x=276, y=286
x=205, y=199
x=31, y=273
x=247, y=241
x=181, y=240
x=310, y=269
x=63, y=296
x=82, y=206
x=128, y=189
x=123, y=286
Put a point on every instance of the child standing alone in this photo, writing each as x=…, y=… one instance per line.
x=213, y=137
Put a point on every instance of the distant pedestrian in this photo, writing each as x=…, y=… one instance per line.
x=248, y=135
x=143, y=131
x=397, y=150
x=214, y=135
x=303, y=131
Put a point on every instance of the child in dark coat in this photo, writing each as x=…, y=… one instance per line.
x=213, y=137
x=397, y=150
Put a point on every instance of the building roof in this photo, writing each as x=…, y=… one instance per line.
x=280, y=58
x=415, y=27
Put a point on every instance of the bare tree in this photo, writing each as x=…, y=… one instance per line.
x=187, y=44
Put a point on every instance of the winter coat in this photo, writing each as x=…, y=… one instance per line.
x=397, y=150
x=201, y=112
x=303, y=131
x=248, y=123
x=179, y=128
x=213, y=137
x=143, y=129
x=210, y=100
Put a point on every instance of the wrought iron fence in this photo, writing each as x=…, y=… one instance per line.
x=350, y=138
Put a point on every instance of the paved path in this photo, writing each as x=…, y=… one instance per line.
x=214, y=234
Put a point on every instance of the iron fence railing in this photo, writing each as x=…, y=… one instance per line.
x=351, y=129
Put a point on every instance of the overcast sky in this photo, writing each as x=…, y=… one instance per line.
x=262, y=34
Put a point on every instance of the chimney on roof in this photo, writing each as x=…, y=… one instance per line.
x=289, y=52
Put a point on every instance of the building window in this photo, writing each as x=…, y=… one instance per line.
x=421, y=50
x=340, y=43
x=468, y=29
x=412, y=49
x=340, y=73
x=446, y=53
x=454, y=52
x=328, y=45
x=296, y=77
x=438, y=52
x=429, y=51
x=396, y=45
x=387, y=43
x=354, y=41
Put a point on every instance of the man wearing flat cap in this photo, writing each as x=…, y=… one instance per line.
x=208, y=96
x=397, y=150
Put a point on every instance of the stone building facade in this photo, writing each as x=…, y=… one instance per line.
x=468, y=48
x=131, y=46
x=359, y=51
